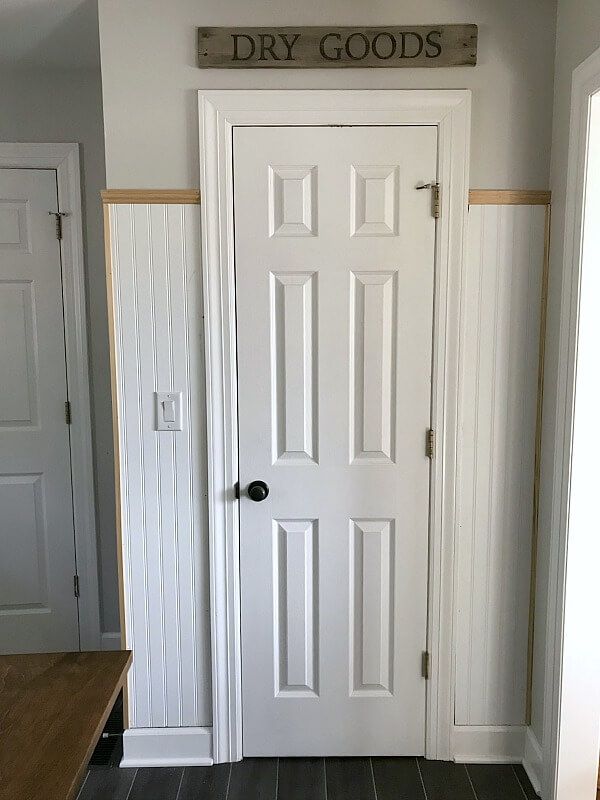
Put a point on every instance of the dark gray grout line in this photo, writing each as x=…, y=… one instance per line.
x=132, y=782
x=325, y=776
x=87, y=775
x=277, y=781
x=180, y=782
x=421, y=777
x=373, y=777
x=470, y=782
x=522, y=788
x=228, y=781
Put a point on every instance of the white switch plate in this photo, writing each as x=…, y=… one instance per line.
x=167, y=409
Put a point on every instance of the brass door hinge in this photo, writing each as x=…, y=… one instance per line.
x=430, y=443
x=435, y=197
x=58, y=218
x=76, y=585
x=68, y=412
x=425, y=665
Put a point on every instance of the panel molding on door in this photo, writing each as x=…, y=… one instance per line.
x=372, y=578
x=15, y=225
x=19, y=367
x=374, y=200
x=294, y=356
x=24, y=513
x=373, y=319
x=292, y=201
x=296, y=607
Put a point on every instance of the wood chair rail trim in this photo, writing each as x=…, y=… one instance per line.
x=144, y=196
x=509, y=197
x=522, y=197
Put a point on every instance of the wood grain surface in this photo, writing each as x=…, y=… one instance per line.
x=338, y=46
x=151, y=196
x=509, y=197
x=53, y=708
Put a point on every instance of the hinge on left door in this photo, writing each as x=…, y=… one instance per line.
x=76, y=585
x=68, y=412
x=425, y=665
x=430, y=443
x=58, y=217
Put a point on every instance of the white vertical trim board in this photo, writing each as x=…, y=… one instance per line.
x=167, y=747
x=64, y=158
x=499, y=376
x=533, y=760
x=111, y=640
x=488, y=744
x=570, y=755
x=157, y=296
x=219, y=111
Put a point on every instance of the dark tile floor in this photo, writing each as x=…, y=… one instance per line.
x=313, y=779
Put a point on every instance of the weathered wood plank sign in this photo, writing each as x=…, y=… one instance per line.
x=310, y=47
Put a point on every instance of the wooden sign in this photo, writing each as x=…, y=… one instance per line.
x=313, y=47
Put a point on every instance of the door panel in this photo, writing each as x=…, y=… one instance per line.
x=334, y=279
x=38, y=610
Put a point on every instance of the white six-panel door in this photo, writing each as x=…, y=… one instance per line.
x=38, y=609
x=334, y=281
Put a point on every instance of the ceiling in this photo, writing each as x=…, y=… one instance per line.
x=55, y=34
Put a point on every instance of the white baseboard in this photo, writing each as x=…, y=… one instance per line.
x=167, y=747
x=488, y=744
x=532, y=760
x=111, y=640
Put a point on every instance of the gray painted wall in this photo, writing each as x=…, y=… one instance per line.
x=150, y=80
x=578, y=35
x=66, y=106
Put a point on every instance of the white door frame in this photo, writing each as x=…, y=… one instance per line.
x=586, y=82
x=64, y=158
x=219, y=112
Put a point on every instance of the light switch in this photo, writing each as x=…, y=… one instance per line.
x=168, y=410
x=167, y=406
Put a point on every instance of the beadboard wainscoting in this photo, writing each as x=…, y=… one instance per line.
x=155, y=294
x=497, y=465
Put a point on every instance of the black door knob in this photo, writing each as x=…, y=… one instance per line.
x=257, y=491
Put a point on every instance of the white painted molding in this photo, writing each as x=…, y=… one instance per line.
x=167, y=747
x=586, y=82
x=111, y=640
x=219, y=111
x=532, y=760
x=488, y=744
x=64, y=158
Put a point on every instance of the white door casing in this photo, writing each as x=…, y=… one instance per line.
x=570, y=679
x=334, y=285
x=220, y=111
x=38, y=608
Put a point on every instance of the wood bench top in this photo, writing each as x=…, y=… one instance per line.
x=53, y=708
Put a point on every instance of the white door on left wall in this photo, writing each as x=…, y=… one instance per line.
x=38, y=607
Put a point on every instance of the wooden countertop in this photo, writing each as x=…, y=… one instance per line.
x=53, y=708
